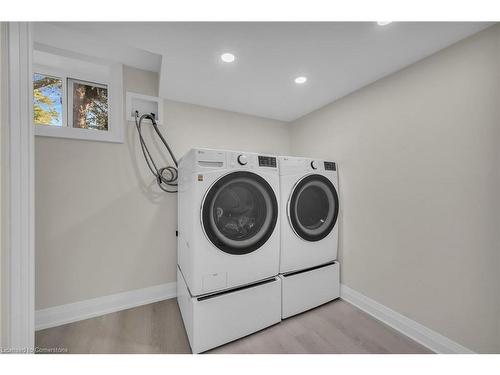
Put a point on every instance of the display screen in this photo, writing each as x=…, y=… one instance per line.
x=267, y=161
x=330, y=166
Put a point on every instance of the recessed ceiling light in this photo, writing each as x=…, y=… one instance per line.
x=227, y=57
x=383, y=23
x=300, y=80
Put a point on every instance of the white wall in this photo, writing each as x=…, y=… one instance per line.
x=102, y=225
x=418, y=156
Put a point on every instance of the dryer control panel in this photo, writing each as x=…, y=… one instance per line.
x=330, y=166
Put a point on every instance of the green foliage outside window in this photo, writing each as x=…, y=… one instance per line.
x=47, y=98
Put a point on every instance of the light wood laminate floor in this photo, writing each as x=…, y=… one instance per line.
x=336, y=327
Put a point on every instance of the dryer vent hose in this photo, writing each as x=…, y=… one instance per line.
x=166, y=177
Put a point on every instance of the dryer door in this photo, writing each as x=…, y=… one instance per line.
x=313, y=207
x=239, y=212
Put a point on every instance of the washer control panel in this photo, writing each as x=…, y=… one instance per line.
x=267, y=161
x=242, y=159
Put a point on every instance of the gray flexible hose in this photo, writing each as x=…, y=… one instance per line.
x=162, y=179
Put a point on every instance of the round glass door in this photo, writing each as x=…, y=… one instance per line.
x=313, y=207
x=239, y=212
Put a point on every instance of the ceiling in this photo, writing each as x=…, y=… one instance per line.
x=337, y=58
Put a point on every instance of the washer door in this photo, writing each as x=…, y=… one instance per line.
x=239, y=212
x=313, y=207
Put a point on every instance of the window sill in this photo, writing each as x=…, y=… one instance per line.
x=78, y=134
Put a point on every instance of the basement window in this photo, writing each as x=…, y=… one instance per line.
x=77, y=98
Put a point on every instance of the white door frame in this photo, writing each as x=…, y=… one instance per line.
x=18, y=272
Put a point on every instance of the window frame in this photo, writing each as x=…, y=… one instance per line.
x=114, y=83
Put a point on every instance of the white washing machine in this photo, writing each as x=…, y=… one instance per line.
x=309, y=233
x=228, y=245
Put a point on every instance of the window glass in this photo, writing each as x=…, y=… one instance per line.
x=313, y=207
x=239, y=211
x=47, y=100
x=90, y=105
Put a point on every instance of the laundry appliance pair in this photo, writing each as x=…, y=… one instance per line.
x=257, y=241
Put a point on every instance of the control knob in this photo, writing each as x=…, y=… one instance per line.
x=242, y=159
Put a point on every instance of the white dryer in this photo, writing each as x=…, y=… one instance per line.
x=309, y=207
x=228, y=245
x=309, y=233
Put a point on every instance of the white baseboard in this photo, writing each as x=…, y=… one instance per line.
x=59, y=315
x=416, y=331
